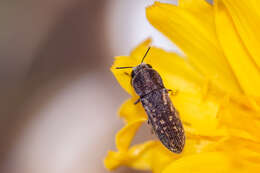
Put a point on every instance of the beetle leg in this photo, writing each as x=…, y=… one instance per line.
x=172, y=92
x=137, y=101
x=127, y=74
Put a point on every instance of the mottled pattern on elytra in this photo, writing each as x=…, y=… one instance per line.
x=164, y=119
x=161, y=113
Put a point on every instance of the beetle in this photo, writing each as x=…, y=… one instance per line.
x=162, y=115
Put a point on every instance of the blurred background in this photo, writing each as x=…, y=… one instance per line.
x=59, y=100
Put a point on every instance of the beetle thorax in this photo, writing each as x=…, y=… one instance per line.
x=145, y=79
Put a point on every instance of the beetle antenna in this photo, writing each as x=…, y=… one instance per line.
x=123, y=67
x=145, y=54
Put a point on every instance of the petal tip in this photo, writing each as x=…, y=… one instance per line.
x=111, y=162
x=147, y=42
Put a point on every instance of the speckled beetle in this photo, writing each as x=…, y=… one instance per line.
x=155, y=99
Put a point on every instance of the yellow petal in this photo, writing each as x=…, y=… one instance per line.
x=240, y=61
x=139, y=156
x=195, y=34
x=151, y=155
x=131, y=112
x=154, y=158
x=247, y=151
x=235, y=117
x=140, y=50
x=213, y=162
x=199, y=115
x=169, y=64
x=246, y=17
x=193, y=5
x=158, y=157
x=123, y=76
x=126, y=134
x=113, y=160
x=244, y=148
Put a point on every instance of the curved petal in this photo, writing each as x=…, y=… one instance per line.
x=125, y=136
x=213, y=162
x=195, y=34
x=154, y=158
x=246, y=17
x=244, y=68
x=131, y=112
x=123, y=75
x=116, y=159
x=113, y=160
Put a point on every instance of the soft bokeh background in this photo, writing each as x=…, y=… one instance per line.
x=59, y=101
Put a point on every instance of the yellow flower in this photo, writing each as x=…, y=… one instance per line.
x=218, y=84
